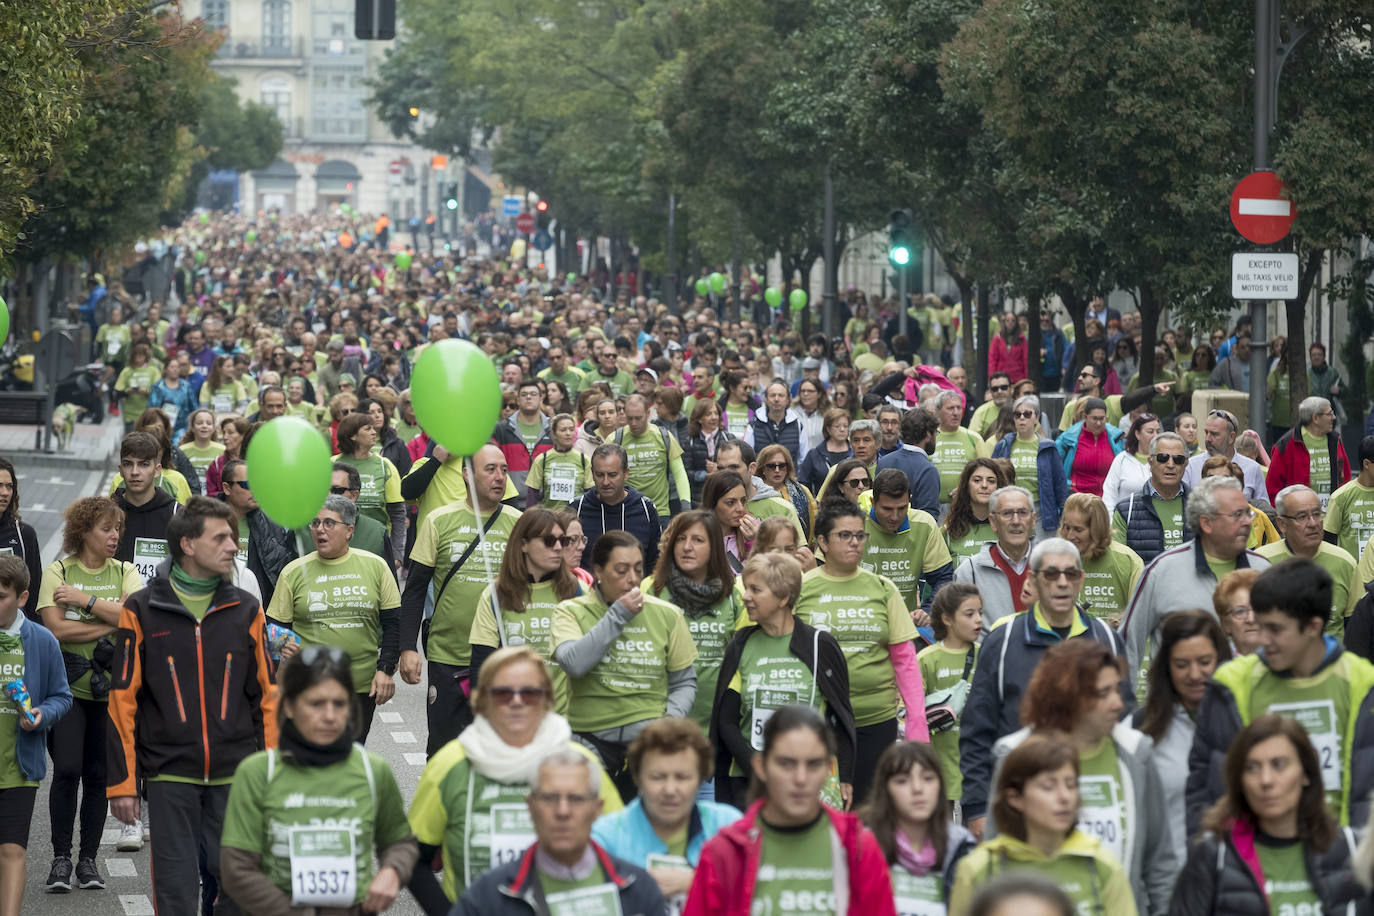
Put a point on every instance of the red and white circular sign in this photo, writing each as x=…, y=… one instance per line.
x=525, y=223
x=1260, y=208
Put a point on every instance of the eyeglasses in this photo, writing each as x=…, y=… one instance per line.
x=1054, y=575
x=328, y=524
x=999, y=387
x=1306, y=517
x=1086, y=375
x=339, y=491
x=1014, y=513
x=551, y=541
x=1024, y=414
x=855, y=483
x=1242, y=610
x=851, y=536
x=241, y=484
x=554, y=799
x=1179, y=460
x=528, y=695
x=331, y=654
x=775, y=466
x=1236, y=516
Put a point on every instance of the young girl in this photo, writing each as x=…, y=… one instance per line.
x=956, y=616
x=910, y=815
x=200, y=443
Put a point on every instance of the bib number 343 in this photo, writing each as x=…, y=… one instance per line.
x=324, y=869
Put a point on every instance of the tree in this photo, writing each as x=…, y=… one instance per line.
x=240, y=136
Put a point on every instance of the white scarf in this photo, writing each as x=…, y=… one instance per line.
x=498, y=761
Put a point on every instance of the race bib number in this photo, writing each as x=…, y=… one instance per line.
x=324, y=870
x=917, y=896
x=1099, y=812
x=766, y=702
x=112, y=348
x=148, y=555
x=601, y=900
x=678, y=902
x=6, y=552
x=512, y=832
x=171, y=410
x=222, y=403
x=563, y=485
x=1319, y=718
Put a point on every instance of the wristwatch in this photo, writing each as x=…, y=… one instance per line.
x=388, y=670
x=90, y=604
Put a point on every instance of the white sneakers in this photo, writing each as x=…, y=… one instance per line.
x=130, y=838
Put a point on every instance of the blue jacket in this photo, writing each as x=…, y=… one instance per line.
x=1067, y=444
x=46, y=677
x=1052, y=477
x=1055, y=343
x=921, y=475
x=184, y=398
x=627, y=834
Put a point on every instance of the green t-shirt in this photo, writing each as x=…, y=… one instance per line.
x=381, y=485
x=796, y=874
x=530, y=626
x=196, y=604
x=1286, y=883
x=1101, y=798
x=1219, y=567
x=1319, y=464
x=315, y=827
x=953, y=452
x=243, y=532
x=630, y=683
x=226, y=399
x=11, y=668
x=110, y=582
x=736, y=420
x=711, y=633
x=1170, y=512
x=972, y=541
x=338, y=603
x=115, y=341
x=866, y=614
x=1023, y=458
x=650, y=466
x=1321, y=703
x=907, y=555
x=441, y=542
x=559, y=477
x=1346, y=588
x=1110, y=580
x=144, y=377
x=202, y=458
x=572, y=379
x=918, y=895
x=529, y=432
x=1350, y=516
x=941, y=669
x=769, y=677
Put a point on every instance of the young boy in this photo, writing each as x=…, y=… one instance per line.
x=28, y=653
x=956, y=616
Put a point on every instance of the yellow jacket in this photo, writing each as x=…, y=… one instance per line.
x=1087, y=872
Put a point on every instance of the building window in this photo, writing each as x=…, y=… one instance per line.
x=276, y=28
x=275, y=93
x=216, y=15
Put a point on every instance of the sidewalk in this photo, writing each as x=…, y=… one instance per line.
x=92, y=448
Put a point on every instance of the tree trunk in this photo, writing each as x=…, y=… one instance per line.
x=1149, y=330
x=965, y=318
x=1296, y=309
x=1077, y=308
x=1033, y=339
x=980, y=355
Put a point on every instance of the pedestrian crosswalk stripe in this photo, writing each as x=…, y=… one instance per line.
x=120, y=868
x=415, y=759
x=403, y=737
x=390, y=718
x=136, y=905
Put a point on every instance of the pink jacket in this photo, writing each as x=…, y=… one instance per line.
x=1011, y=359
x=724, y=881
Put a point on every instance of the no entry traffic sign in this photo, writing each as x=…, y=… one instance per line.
x=525, y=223
x=1260, y=209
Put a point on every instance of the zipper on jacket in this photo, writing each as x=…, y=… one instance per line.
x=224, y=690
x=176, y=687
x=200, y=676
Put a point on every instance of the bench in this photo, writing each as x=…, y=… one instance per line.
x=25, y=408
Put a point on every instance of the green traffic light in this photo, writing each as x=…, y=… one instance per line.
x=900, y=255
x=451, y=204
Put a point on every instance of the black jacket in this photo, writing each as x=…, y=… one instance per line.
x=1144, y=530
x=832, y=682
x=511, y=889
x=394, y=449
x=678, y=428
x=1359, y=628
x=146, y=521
x=815, y=467
x=694, y=459
x=1215, y=879
x=635, y=514
x=186, y=469
x=21, y=541
x=270, y=548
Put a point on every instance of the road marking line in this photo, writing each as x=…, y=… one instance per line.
x=136, y=905
x=1263, y=206
x=120, y=868
x=415, y=760
x=109, y=836
x=403, y=737
x=390, y=718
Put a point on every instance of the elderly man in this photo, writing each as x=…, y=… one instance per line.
x=1300, y=523
x=955, y=446
x=1311, y=453
x=1186, y=576
x=1219, y=431
x=1008, y=656
x=564, y=870
x=1000, y=569
x=1150, y=521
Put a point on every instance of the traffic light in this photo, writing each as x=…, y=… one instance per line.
x=374, y=20
x=451, y=200
x=542, y=206
x=414, y=112
x=900, y=242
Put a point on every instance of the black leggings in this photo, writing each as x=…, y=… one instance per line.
x=77, y=745
x=367, y=708
x=872, y=741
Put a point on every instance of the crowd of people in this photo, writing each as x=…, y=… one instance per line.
x=724, y=619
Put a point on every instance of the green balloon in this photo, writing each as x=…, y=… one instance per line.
x=572, y=278
x=797, y=299
x=200, y=257
x=204, y=219
x=289, y=467
x=250, y=236
x=717, y=280
x=403, y=259
x=4, y=320
x=457, y=395
x=773, y=296
x=702, y=288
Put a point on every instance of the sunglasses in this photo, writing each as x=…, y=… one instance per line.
x=1054, y=575
x=1024, y=414
x=331, y=654
x=551, y=541
x=999, y=387
x=1179, y=460
x=528, y=695
x=856, y=484
x=776, y=466
x=241, y=484
x=338, y=491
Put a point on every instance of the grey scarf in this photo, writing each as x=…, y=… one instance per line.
x=695, y=598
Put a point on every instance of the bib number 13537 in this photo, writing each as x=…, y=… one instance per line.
x=324, y=870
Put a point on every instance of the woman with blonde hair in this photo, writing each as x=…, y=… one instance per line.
x=1231, y=601
x=776, y=469
x=1110, y=570
x=778, y=534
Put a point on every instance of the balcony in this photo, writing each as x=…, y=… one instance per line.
x=284, y=48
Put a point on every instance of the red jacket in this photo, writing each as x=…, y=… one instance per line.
x=724, y=881
x=1290, y=463
x=1009, y=358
